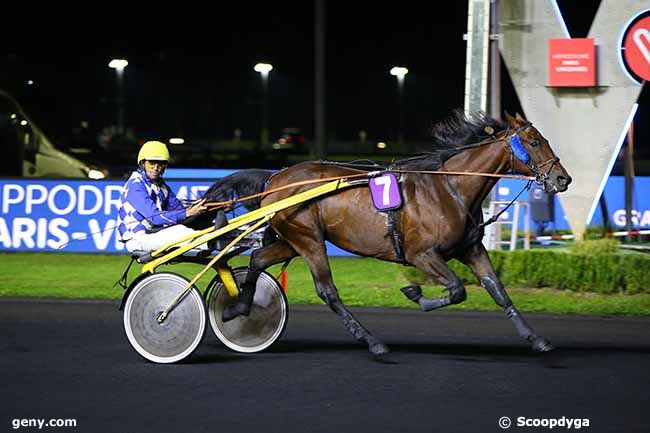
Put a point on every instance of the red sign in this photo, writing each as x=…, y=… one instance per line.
x=635, y=47
x=571, y=62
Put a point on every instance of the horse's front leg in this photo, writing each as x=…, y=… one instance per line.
x=433, y=264
x=477, y=259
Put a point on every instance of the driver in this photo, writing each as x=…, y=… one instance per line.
x=149, y=213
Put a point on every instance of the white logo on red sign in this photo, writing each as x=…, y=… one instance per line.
x=635, y=47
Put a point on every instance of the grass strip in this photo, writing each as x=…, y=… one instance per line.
x=361, y=282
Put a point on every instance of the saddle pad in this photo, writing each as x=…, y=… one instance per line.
x=385, y=192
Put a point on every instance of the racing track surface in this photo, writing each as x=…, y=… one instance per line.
x=452, y=372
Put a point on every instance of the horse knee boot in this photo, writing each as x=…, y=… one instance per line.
x=496, y=290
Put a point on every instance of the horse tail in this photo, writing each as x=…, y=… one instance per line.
x=240, y=184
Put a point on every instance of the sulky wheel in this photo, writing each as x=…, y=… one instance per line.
x=264, y=325
x=179, y=334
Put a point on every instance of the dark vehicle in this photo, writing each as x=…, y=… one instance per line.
x=290, y=139
x=28, y=152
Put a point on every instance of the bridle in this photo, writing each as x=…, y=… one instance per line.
x=517, y=150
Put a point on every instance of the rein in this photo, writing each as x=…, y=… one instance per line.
x=496, y=216
x=464, y=173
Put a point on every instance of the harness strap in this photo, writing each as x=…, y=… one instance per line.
x=358, y=164
x=393, y=224
x=395, y=235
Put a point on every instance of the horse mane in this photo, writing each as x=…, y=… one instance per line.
x=451, y=136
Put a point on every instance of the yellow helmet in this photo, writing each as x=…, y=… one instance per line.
x=153, y=151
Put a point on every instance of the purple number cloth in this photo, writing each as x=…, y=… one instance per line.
x=385, y=192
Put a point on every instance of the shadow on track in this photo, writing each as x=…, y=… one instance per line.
x=560, y=358
x=215, y=358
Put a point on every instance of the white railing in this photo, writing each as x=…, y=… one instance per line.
x=493, y=239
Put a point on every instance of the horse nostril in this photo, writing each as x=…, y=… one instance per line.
x=564, y=180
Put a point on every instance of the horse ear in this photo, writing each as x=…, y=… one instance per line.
x=519, y=118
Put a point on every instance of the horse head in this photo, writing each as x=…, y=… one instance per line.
x=532, y=155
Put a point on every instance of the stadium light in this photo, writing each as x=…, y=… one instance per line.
x=119, y=65
x=264, y=69
x=400, y=72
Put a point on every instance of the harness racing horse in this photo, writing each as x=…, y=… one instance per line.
x=440, y=218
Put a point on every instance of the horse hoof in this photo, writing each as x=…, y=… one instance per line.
x=381, y=353
x=233, y=311
x=541, y=344
x=379, y=349
x=229, y=313
x=413, y=292
x=384, y=358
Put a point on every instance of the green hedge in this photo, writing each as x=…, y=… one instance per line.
x=575, y=270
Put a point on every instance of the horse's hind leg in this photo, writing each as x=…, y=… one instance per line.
x=261, y=259
x=477, y=259
x=433, y=264
x=314, y=254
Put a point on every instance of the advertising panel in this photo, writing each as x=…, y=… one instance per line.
x=571, y=62
x=614, y=193
x=80, y=215
x=68, y=215
x=634, y=47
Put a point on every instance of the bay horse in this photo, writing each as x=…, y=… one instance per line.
x=440, y=218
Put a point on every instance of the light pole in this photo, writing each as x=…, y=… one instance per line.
x=400, y=72
x=264, y=69
x=119, y=65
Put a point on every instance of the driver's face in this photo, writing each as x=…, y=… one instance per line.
x=154, y=169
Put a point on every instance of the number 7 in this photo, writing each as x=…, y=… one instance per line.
x=386, y=182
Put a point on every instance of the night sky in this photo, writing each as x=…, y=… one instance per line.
x=191, y=72
x=193, y=75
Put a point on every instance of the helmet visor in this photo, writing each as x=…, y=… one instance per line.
x=152, y=163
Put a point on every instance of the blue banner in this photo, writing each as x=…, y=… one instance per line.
x=80, y=215
x=614, y=193
x=68, y=215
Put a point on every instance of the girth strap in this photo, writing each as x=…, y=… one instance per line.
x=395, y=236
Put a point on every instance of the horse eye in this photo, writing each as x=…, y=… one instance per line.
x=534, y=143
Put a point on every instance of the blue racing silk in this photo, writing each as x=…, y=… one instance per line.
x=145, y=205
